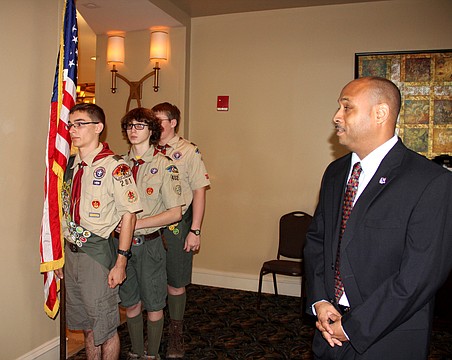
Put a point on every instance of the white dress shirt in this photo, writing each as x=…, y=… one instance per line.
x=369, y=165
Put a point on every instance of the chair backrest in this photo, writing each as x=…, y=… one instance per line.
x=292, y=234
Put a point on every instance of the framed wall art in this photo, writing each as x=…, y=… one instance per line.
x=425, y=81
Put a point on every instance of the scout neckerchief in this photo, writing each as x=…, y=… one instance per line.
x=161, y=148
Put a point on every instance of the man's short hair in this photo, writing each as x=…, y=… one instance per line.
x=386, y=90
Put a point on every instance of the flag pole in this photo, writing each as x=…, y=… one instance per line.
x=57, y=153
x=63, y=341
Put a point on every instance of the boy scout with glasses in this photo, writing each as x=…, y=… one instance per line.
x=158, y=184
x=98, y=192
x=184, y=237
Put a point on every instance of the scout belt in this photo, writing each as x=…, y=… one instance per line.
x=138, y=240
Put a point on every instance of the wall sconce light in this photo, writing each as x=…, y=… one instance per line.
x=115, y=55
x=158, y=51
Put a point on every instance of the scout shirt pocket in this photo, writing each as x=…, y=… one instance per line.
x=150, y=184
x=96, y=198
x=181, y=162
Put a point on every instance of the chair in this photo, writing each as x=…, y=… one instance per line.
x=292, y=236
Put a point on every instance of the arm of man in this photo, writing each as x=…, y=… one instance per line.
x=167, y=217
x=314, y=258
x=192, y=241
x=118, y=273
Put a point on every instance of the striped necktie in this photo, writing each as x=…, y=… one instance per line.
x=349, y=198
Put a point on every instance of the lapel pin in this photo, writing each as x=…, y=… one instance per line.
x=382, y=180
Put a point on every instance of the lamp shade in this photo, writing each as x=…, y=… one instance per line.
x=115, y=49
x=159, y=45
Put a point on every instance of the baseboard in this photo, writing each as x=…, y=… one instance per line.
x=48, y=351
x=287, y=285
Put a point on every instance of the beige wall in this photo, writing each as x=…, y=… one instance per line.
x=29, y=41
x=283, y=71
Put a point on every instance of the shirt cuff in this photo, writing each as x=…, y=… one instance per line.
x=313, y=308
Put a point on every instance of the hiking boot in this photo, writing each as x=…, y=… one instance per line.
x=149, y=357
x=176, y=341
x=132, y=356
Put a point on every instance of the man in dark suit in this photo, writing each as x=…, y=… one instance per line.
x=375, y=259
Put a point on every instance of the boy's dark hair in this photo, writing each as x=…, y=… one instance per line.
x=94, y=111
x=146, y=116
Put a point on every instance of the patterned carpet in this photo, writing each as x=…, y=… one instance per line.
x=224, y=324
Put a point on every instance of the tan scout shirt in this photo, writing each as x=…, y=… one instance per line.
x=193, y=173
x=158, y=185
x=108, y=191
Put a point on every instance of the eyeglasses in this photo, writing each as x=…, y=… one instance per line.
x=80, y=124
x=136, y=126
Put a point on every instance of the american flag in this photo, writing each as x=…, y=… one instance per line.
x=57, y=153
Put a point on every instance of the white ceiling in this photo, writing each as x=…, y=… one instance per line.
x=197, y=8
x=106, y=16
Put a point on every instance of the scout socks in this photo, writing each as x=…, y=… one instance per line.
x=135, y=326
x=176, y=305
x=155, y=330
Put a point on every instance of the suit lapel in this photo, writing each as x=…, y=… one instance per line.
x=337, y=186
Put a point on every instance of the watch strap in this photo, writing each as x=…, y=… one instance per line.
x=126, y=253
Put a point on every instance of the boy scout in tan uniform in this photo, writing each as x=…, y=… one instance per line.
x=184, y=237
x=159, y=187
x=106, y=195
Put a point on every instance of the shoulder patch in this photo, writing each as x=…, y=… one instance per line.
x=121, y=171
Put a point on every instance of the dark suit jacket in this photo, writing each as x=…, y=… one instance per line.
x=395, y=253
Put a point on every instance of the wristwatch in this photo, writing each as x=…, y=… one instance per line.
x=126, y=253
x=197, y=232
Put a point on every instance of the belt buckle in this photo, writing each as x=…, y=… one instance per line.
x=137, y=241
